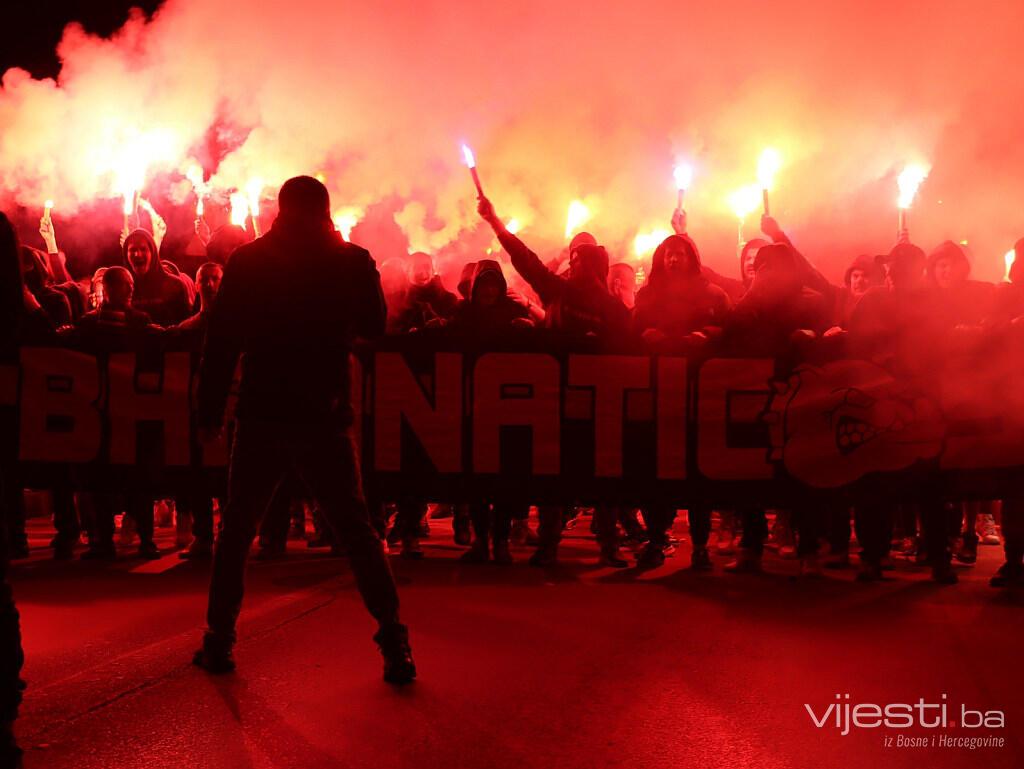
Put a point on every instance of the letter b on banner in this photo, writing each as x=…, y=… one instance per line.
x=59, y=418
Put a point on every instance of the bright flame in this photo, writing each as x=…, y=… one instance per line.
x=513, y=226
x=767, y=166
x=645, y=242
x=467, y=157
x=48, y=205
x=577, y=216
x=908, y=182
x=1008, y=258
x=253, y=190
x=239, y=208
x=346, y=219
x=134, y=156
x=684, y=176
x=194, y=174
x=745, y=200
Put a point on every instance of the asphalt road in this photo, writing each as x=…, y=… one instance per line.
x=575, y=666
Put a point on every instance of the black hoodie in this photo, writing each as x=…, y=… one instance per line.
x=162, y=296
x=580, y=305
x=678, y=305
x=473, y=318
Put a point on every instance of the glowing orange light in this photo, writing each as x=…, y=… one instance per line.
x=683, y=174
x=513, y=226
x=346, y=219
x=1008, y=259
x=908, y=181
x=467, y=157
x=577, y=215
x=239, y=208
x=744, y=201
x=768, y=166
x=645, y=242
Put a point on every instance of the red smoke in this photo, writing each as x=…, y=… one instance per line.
x=596, y=101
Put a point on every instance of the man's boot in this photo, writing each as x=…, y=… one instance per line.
x=393, y=641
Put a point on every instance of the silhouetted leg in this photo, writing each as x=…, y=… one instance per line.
x=11, y=656
x=699, y=519
x=329, y=465
x=258, y=461
x=480, y=515
x=755, y=530
x=874, y=524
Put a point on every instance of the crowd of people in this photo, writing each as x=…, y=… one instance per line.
x=895, y=310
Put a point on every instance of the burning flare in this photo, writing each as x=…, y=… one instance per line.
x=908, y=182
x=745, y=200
x=683, y=174
x=467, y=157
x=767, y=166
x=513, y=226
x=645, y=242
x=239, y=208
x=1008, y=259
x=346, y=219
x=577, y=216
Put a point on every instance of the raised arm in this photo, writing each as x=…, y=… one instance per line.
x=542, y=280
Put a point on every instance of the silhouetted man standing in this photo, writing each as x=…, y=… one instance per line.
x=290, y=305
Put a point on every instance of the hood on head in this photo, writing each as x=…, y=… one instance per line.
x=490, y=269
x=658, y=260
x=582, y=239
x=751, y=245
x=140, y=234
x=593, y=260
x=948, y=250
x=39, y=275
x=466, y=279
x=864, y=263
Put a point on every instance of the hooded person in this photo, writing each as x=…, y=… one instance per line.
x=488, y=310
x=777, y=308
x=426, y=300
x=159, y=294
x=678, y=306
x=578, y=304
x=678, y=300
x=290, y=307
x=900, y=327
x=35, y=273
x=488, y=313
x=964, y=302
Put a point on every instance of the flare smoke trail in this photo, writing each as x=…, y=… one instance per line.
x=559, y=101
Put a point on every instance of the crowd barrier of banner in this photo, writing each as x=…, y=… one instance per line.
x=441, y=422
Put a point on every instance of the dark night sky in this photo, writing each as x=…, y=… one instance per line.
x=32, y=28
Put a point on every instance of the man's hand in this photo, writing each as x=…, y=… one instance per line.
x=771, y=228
x=203, y=230
x=486, y=211
x=903, y=237
x=834, y=331
x=679, y=221
x=49, y=236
